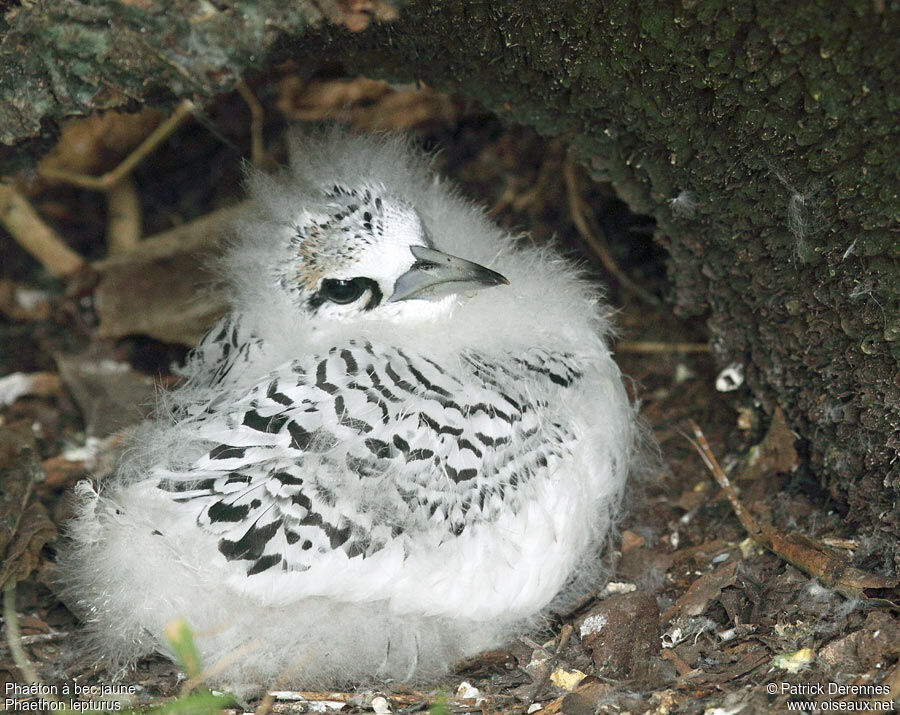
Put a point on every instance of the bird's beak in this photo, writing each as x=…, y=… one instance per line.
x=436, y=274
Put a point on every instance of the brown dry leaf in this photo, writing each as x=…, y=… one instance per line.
x=486, y=662
x=61, y=471
x=100, y=459
x=682, y=667
x=356, y=15
x=581, y=700
x=24, y=525
x=23, y=554
x=323, y=99
x=404, y=109
x=585, y=699
x=363, y=103
x=166, y=298
x=706, y=588
x=690, y=499
x=756, y=657
x=94, y=144
x=775, y=454
x=161, y=288
x=892, y=681
x=109, y=393
x=876, y=643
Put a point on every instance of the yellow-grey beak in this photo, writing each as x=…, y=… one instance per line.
x=436, y=274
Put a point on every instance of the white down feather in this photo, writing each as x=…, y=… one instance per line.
x=136, y=559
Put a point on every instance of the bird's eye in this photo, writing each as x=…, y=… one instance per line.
x=343, y=292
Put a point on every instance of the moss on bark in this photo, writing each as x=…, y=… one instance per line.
x=764, y=138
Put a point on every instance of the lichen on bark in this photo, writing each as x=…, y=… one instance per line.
x=71, y=58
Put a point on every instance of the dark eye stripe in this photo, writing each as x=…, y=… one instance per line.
x=345, y=292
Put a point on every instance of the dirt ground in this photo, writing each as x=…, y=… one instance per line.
x=698, y=616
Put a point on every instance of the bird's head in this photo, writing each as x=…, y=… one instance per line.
x=359, y=252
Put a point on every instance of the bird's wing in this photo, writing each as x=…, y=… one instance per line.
x=367, y=444
x=222, y=354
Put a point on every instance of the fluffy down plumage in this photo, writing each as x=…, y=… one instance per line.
x=357, y=484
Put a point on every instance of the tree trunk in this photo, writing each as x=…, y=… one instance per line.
x=764, y=139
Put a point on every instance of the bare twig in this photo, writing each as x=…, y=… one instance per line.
x=797, y=549
x=561, y=642
x=682, y=667
x=123, y=226
x=577, y=210
x=37, y=638
x=14, y=636
x=35, y=236
x=257, y=147
x=412, y=698
x=204, y=231
x=647, y=346
x=506, y=199
x=102, y=183
x=43, y=637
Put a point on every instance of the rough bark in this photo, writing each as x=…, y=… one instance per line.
x=764, y=139
x=65, y=58
x=762, y=136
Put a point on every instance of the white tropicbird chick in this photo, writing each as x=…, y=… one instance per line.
x=385, y=458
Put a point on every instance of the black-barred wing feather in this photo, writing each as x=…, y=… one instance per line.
x=367, y=445
x=223, y=354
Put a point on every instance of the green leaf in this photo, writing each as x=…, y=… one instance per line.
x=181, y=641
